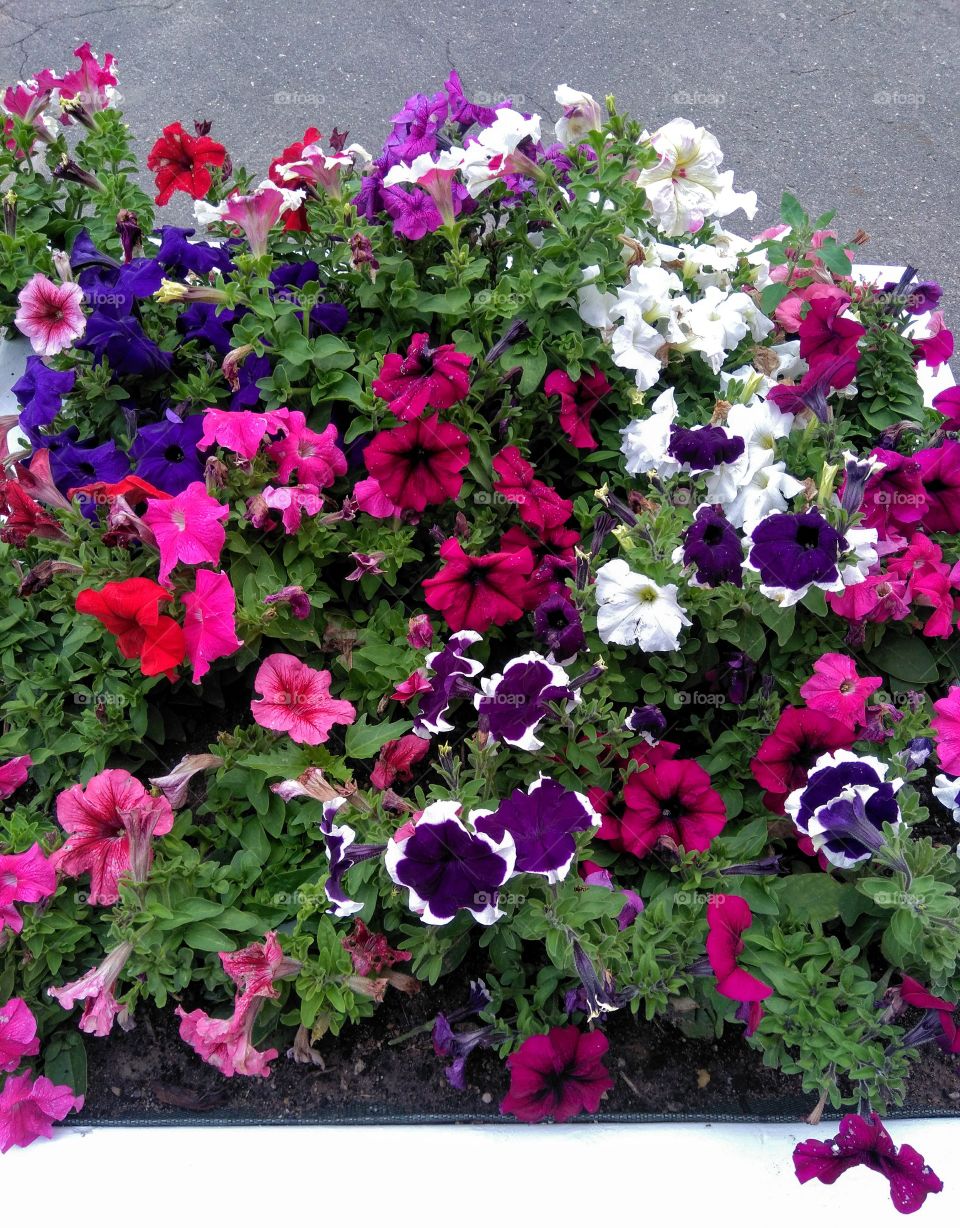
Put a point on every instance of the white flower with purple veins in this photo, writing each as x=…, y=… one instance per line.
x=450, y=668
x=646, y=441
x=342, y=853
x=494, y=153
x=447, y=867
x=633, y=609
x=686, y=186
x=514, y=703
x=844, y=805
x=581, y=114
x=542, y=821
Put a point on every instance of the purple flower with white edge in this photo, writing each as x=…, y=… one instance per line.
x=946, y=789
x=844, y=805
x=704, y=447
x=648, y=721
x=796, y=551
x=556, y=623
x=342, y=853
x=448, y=867
x=712, y=546
x=541, y=821
x=450, y=668
x=514, y=703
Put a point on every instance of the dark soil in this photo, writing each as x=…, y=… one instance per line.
x=149, y=1076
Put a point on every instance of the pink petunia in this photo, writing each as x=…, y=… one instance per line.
x=397, y=759
x=578, y=400
x=92, y=85
x=727, y=918
x=50, y=316
x=18, y=1034
x=936, y=347
x=838, y=690
x=188, y=528
x=293, y=502
x=95, y=990
x=424, y=378
x=256, y=967
x=239, y=430
x=209, y=626
x=947, y=727
x=256, y=213
x=296, y=700
x=313, y=456
x=227, y=1044
x=106, y=822
x=417, y=684
x=25, y=877
x=539, y=504
x=28, y=1108
x=13, y=774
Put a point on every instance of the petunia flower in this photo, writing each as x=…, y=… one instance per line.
x=539, y=505
x=296, y=700
x=946, y=725
x=50, y=316
x=578, y=400
x=712, y=547
x=477, y=592
x=581, y=115
x=633, y=609
x=165, y=452
x=728, y=916
x=557, y=623
x=110, y=824
x=450, y=668
x=672, y=799
x=18, y=1034
x=558, y=1074
x=292, y=502
x=495, y=151
x=175, y=784
x=95, y=990
x=542, y=821
x=256, y=213
x=515, y=703
x=91, y=87
x=188, y=528
x=371, y=954
x=209, y=624
x=397, y=759
x=40, y=392
x=419, y=463
x=859, y=1141
x=26, y=878
x=256, y=967
x=293, y=595
x=793, y=552
x=241, y=430
x=130, y=610
x=838, y=690
x=23, y=517
x=786, y=755
x=940, y=475
x=227, y=1044
x=29, y=1106
x=181, y=162
x=313, y=456
x=426, y=377
x=447, y=867
x=369, y=498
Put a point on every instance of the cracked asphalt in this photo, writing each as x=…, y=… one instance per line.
x=852, y=106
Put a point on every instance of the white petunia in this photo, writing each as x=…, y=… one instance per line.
x=645, y=440
x=596, y=307
x=635, y=345
x=494, y=152
x=946, y=789
x=633, y=609
x=581, y=114
x=769, y=489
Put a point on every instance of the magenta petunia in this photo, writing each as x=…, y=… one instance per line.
x=312, y=455
x=424, y=378
x=28, y=1108
x=539, y=505
x=474, y=593
x=296, y=700
x=238, y=430
x=227, y=1044
x=50, y=316
x=946, y=725
x=420, y=463
x=838, y=690
x=578, y=400
x=13, y=774
x=18, y=1034
x=728, y=916
x=24, y=878
x=209, y=625
x=188, y=528
x=558, y=1074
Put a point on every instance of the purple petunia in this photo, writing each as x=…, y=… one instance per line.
x=342, y=853
x=40, y=392
x=76, y=464
x=794, y=550
x=648, y=721
x=514, y=703
x=166, y=452
x=541, y=821
x=447, y=867
x=704, y=447
x=179, y=256
x=556, y=623
x=843, y=806
x=450, y=668
x=712, y=546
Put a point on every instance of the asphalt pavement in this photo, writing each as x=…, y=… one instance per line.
x=849, y=106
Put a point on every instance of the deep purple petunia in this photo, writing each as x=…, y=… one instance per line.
x=556, y=623
x=541, y=821
x=179, y=256
x=843, y=806
x=712, y=546
x=166, y=453
x=289, y=279
x=792, y=550
x=515, y=702
x=648, y=721
x=859, y=1141
x=342, y=853
x=210, y=324
x=253, y=368
x=76, y=464
x=704, y=447
x=450, y=668
x=447, y=868
x=40, y=392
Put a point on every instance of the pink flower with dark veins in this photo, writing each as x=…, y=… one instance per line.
x=50, y=316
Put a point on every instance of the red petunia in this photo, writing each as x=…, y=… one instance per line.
x=293, y=219
x=578, y=400
x=786, y=755
x=728, y=916
x=475, y=592
x=423, y=378
x=672, y=798
x=557, y=1075
x=23, y=517
x=180, y=163
x=130, y=610
x=397, y=759
x=419, y=463
x=539, y=504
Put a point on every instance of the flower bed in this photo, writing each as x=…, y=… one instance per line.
x=477, y=569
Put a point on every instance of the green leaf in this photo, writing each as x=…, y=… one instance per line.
x=810, y=897
x=204, y=937
x=793, y=212
x=906, y=658
x=363, y=740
